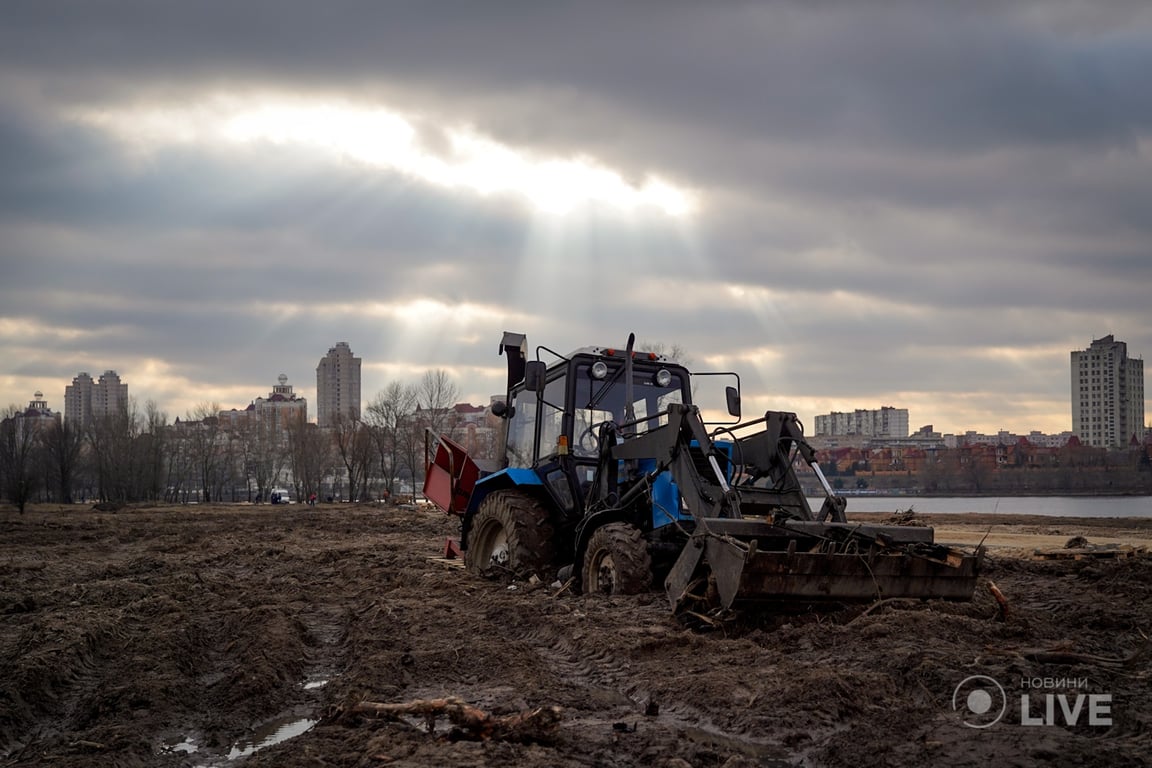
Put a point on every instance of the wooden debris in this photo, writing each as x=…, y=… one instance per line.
x=564, y=587
x=706, y=619
x=473, y=724
x=1001, y=601
x=879, y=604
x=451, y=562
x=1091, y=552
x=1062, y=654
x=88, y=746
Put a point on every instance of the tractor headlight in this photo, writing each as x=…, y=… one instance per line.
x=663, y=377
x=599, y=369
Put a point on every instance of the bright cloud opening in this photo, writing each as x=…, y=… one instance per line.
x=383, y=139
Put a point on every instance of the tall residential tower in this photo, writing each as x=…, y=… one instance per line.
x=86, y=400
x=1107, y=394
x=337, y=386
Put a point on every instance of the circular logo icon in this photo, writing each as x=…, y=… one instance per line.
x=980, y=700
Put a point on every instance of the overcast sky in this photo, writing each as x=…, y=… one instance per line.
x=924, y=205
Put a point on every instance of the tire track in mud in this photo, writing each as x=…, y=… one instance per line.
x=326, y=630
x=588, y=664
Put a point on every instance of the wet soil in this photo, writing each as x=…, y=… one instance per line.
x=197, y=636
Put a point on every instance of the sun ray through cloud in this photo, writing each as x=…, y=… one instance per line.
x=384, y=139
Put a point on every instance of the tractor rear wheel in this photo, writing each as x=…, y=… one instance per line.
x=511, y=532
x=617, y=561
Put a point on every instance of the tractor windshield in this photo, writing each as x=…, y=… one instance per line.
x=604, y=399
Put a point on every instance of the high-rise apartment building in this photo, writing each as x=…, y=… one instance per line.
x=1107, y=394
x=337, y=386
x=885, y=422
x=86, y=400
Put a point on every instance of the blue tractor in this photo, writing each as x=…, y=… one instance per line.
x=613, y=479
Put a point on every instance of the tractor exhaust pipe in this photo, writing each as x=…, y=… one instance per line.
x=629, y=394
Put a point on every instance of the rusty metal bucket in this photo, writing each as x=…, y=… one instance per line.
x=730, y=563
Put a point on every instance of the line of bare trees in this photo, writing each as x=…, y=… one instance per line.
x=136, y=455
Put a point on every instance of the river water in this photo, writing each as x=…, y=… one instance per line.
x=1056, y=506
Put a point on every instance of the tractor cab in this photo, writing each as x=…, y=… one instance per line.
x=555, y=417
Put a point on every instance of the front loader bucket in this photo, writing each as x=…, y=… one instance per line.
x=730, y=563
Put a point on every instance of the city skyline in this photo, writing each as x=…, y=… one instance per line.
x=850, y=204
x=833, y=422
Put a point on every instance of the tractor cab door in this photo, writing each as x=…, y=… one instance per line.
x=535, y=428
x=536, y=422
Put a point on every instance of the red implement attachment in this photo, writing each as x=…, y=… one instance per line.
x=450, y=477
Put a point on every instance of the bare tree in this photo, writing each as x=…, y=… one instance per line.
x=387, y=416
x=310, y=454
x=178, y=462
x=153, y=450
x=19, y=446
x=205, y=450
x=435, y=395
x=674, y=351
x=63, y=443
x=112, y=438
x=266, y=454
x=353, y=443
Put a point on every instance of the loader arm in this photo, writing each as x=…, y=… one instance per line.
x=758, y=479
x=766, y=461
x=706, y=493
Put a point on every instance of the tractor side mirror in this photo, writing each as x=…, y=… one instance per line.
x=534, y=374
x=732, y=395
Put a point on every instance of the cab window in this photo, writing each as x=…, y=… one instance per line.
x=522, y=430
x=552, y=418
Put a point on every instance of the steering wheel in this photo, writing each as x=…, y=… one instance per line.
x=589, y=440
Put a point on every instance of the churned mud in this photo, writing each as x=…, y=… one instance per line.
x=259, y=636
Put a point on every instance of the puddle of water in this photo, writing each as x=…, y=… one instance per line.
x=185, y=745
x=272, y=732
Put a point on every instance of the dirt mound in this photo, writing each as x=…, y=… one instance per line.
x=204, y=636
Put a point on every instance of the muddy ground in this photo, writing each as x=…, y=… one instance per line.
x=194, y=636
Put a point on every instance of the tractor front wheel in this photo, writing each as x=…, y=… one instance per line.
x=617, y=561
x=511, y=533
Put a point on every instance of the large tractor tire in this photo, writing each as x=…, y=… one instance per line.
x=511, y=533
x=616, y=561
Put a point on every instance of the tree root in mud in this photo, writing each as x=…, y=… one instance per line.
x=1001, y=602
x=472, y=724
x=1062, y=655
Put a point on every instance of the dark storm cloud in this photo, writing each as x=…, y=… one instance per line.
x=936, y=74
x=908, y=184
